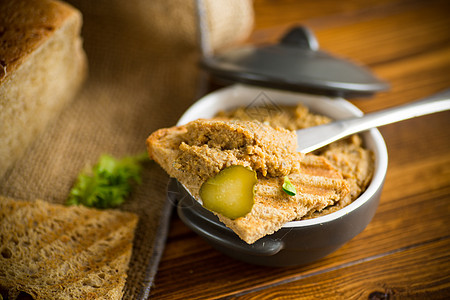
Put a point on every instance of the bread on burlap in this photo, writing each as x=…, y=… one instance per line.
x=212, y=145
x=42, y=65
x=51, y=251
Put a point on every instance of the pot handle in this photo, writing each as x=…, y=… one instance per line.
x=205, y=224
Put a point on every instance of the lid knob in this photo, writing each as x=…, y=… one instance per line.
x=302, y=37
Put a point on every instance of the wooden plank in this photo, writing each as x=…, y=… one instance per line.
x=390, y=37
x=182, y=241
x=417, y=139
x=394, y=275
x=396, y=226
x=412, y=78
x=283, y=13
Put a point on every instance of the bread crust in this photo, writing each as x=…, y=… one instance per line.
x=25, y=25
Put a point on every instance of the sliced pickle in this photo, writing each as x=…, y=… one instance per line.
x=230, y=193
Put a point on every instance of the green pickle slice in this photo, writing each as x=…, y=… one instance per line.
x=231, y=192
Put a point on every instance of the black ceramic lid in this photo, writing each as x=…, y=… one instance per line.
x=296, y=63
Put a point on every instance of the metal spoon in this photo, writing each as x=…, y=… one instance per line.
x=313, y=138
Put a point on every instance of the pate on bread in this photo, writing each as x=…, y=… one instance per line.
x=199, y=150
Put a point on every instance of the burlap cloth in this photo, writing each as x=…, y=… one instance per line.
x=143, y=74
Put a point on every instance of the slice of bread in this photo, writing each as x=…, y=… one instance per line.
x=198, y=150
x=51, y=251
x=42, y=66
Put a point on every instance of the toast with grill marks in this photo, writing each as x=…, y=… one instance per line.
x=51, y=251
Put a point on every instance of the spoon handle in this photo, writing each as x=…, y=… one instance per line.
x=314, y=138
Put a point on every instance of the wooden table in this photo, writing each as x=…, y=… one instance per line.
x=405, y=250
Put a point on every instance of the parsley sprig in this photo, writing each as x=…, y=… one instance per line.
x=108, y=183
x=288, y=187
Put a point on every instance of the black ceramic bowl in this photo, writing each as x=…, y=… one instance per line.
x=297, y=242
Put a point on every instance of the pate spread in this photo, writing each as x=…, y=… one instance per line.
x=348, y=155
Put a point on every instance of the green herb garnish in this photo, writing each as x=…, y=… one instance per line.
x=108, y=183
x=288, y=187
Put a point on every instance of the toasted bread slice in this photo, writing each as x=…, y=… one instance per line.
x=198, y=150
x=51, y=251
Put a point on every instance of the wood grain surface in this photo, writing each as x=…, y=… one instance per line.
x=404, y=253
